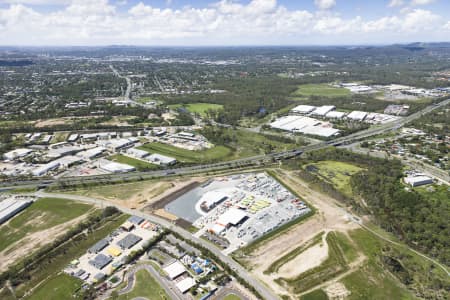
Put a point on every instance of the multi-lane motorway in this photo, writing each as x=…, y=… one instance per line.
x=243, y=162
x=242, y=272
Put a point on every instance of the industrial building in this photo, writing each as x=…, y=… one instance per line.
x=323, y=110
x=129, y=241
x=357, y=115
x=211, y=199
x=114, y=167
x=100, y=261
x=136, y=153
x=44, y=169
x=303, y=109
x=63, y=151
x=160, y=159
x=99, y=246
x=136, y=220
x=185, y=284
x=335, y=114
x=11, y=206
x=174, y=270
x=91, y=153
x=114, y=145
x=17, y=153
x=418, y=180
x=305, y=125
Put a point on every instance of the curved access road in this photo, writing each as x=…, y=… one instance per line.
x=265, y=292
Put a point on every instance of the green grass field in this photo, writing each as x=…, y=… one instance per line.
x=381, y=284
x=315, y=295
x=188, y=156
x=138, y=164
x=124, y=191
x=145, y=286
x=337, y=173
x=231, y=297
x=198, y=108
x=322, y=90
x=42, y=214
x=61, y=286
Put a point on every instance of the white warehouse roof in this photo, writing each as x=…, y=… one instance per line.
x=137, y=152
x=161, y=159
x=303, y=109
x=233, y=216
x=91, y=153
x=305, y=125
x=418, y=180
x=213, y=197
x=174, y=270
x=357, y=115
x=323, y=110
x=44, y=169
x=185, y=284
x=16, y=153
x=335, y=114
x=114, y=167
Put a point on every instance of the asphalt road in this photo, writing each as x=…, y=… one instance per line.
x=248, y=161
x=241, y=271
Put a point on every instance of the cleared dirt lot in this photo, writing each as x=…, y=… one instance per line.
x=329, y=217
x=137, y=194
x=34, y=241
x=310, y=258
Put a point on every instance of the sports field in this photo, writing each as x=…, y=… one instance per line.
x=322, y=89
x=41, y=215
x=189, y=156
x=198, y=108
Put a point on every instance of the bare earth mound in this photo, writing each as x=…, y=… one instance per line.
x=308, y=259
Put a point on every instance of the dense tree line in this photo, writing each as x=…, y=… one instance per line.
x=416, y=219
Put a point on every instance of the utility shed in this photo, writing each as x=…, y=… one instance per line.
x=129, y=241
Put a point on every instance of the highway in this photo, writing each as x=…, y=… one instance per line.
x=241, y=271
x=248, y=161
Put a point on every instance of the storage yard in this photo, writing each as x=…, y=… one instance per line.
x=238, y=208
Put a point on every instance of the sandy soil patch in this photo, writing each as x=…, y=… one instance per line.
x=33, y=241
x=329, y=217
x=50, y=122
x=336, y=290
x=308, y=259
x=165, y=214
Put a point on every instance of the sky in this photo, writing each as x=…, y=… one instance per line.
x=222, y=22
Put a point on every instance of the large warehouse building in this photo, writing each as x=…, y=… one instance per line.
x=11, y=207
